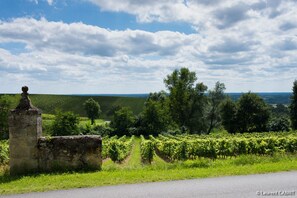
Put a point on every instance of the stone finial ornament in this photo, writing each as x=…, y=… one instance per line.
x=25, y=102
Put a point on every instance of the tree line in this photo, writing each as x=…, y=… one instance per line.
x=187, y=106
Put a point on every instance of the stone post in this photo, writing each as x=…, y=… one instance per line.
x=25, y=127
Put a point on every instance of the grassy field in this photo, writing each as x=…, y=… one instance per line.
x=49, y=103
x=131, y=170
x=48, y=119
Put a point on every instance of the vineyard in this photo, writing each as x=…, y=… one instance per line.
x=117, y=149
x=191, y=147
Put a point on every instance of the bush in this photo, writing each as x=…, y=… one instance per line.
x=147, y=150
x=4, y=154
x=65, y=123
x=279, y=124
x=123, y=119
x=5, y=105
x=103, y=130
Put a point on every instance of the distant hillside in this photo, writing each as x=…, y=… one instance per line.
x=270, y=98
x=49, y=103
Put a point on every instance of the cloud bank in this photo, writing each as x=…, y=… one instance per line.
x=248, y=45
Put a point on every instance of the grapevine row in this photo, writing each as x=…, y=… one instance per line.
x=117, y=149
x=146, y=150
x=183, y=148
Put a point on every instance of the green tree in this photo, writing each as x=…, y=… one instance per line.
x=215, y=96
x=186, y=100
x=293, y=106
x=156, y=116
x=5, y=105
x=65, y=123
x=92, y=109
x=122, y=121
x=228, y=115
x=253, y=113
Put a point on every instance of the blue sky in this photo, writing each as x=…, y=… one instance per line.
x=115, y=46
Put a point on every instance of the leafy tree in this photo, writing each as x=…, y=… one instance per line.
x=156, y=116
x=161, y=96
x=5, y=104
x=293, y=106
x=279, y=124
x=186, y=100
x=228, y=115
x=122, y=121
x=93, y=109
x=65, y=123
x=253, y=113
x=216, y=96
x=113, y=109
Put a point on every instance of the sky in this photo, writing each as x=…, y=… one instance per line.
x=125, y=47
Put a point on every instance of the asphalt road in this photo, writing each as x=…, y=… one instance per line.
x=283, y=184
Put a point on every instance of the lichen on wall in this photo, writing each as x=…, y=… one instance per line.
x=69, y=153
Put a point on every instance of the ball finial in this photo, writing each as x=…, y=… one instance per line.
x=25, y=89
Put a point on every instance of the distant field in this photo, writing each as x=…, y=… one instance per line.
x=49, y=103
x=268, y=97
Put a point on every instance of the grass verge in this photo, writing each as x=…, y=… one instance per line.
x=160, y=171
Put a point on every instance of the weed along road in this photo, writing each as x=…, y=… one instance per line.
x=282, y=184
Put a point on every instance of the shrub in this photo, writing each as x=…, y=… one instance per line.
x=279, y=124
x=146, y=150
x=4, y=154
x=5, y=103
x=123, y=119
x=65, y=123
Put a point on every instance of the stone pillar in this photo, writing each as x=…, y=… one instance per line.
x=25, y=127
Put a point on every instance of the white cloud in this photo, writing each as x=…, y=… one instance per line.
x=253, y=49
x=50, y=2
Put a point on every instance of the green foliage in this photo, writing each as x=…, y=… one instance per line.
x=228, y=115
x=146, y=150
x=113, y=109
x=49, y=103
x=123, y=119
x=253, y=113
x=293, y=106
x=215, y=96
x=4, y=152
x=156, y=116
x=92, y=109
x=103, y=130
x=279, y=124
x=192, y=146
x=5, y=105
x=187, y=100
x=280, y=110
x=65, y=123
x=117, y=148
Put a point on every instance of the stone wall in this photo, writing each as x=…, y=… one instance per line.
x=25, y=127
x=69, y=153
x=30, y=152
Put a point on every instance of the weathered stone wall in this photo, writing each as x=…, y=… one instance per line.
x=69, y=153
x=24, y=130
